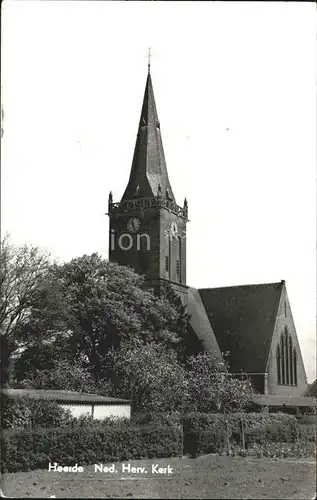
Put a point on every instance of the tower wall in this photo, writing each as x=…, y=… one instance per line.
x=147, y=227
x=158, y=248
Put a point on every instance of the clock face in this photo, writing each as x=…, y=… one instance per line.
x=133, y=225
x=174, y=228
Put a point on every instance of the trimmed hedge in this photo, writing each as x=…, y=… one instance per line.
x=172, y=419
x=29, y=412
x=276, y=433
x=24, y=450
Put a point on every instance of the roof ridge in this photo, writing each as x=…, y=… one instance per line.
x=241, y=286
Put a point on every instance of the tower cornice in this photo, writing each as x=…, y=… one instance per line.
x=125, y=206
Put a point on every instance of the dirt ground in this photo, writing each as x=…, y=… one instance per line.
x=208, y=476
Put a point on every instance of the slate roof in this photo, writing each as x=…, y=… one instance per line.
x=148, y=169
x=200, y=323
x=243, y=319
x=62, y=396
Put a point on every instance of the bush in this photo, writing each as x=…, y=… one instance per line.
x=209, y=432
x=307, y=419
x=210, y=441
x=206, y=421
x=307, y=433
x=298, y=449
x=28, y=413
x=271, y=433
x=211, y=389
x=24, y=450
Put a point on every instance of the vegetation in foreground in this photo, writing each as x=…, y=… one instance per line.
x=40, y=432
x=90, y=325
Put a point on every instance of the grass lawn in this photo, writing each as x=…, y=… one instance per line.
x=208, y=476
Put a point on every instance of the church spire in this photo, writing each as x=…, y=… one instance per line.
x=148, y=169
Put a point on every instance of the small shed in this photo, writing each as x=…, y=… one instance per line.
x=78, y=403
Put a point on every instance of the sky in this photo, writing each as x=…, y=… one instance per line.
x=235, y=88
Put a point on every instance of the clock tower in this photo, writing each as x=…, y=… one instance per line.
x=147, y=228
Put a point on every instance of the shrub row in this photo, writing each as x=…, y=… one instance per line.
x=87, y=441
x=24, y=450
x=164, y=419
x=215, y=433
x=299, y=449
x=207, y=421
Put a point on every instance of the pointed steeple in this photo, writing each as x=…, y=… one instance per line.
x=148, y=170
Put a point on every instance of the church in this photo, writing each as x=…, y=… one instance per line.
x=252, y=323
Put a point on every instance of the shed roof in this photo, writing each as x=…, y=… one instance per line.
x=62, y=396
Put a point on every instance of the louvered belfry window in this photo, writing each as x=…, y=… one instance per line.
x=286, y=360
x=278, y=361
x=166, y=263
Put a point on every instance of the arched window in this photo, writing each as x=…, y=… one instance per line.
x=295, y=366
x=286, y=358
x=169, y=257
x=166, y=263
x=278, y=362
x=179, y=263
x=291, y=364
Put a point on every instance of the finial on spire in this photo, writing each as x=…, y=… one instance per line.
x=149, y=55
x=185, y=208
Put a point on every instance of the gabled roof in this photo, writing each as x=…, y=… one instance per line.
x=200, y=323
x=62, y=396
x=243, y=319
x=148, y=170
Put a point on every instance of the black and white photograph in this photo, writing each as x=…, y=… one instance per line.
x=158, y=249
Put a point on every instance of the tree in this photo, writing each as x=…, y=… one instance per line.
x=40, y=356
x=180, y=326
x=212, y=389
x=151, y=377
x=90, y=305
x=22, y=270
x=63, y=376
x=154, y=378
